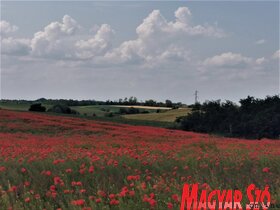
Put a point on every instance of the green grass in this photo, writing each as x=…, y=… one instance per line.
x=120, y=119
x=19, y=106
x=115, y=119
x=15, y=106
x=98, y=110
x=163, y=119
x=101, y=110
x=165, y=116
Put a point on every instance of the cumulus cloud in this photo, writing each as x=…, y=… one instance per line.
x=261, y=60
x=228, y=59
x=55, y=39
x=182, y=25
x=12, y=46
x=183, y=15
x=276, y=55
x=159, y=40
x=97, y=45
x=7, y=28
x=67, y=41
x=231, y=65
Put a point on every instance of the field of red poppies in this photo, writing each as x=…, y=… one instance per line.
x=55, y=162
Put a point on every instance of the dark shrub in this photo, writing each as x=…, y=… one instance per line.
x=109, y=114
x=130, y=110
x=168, y=103
x=37, y=108
x=105, y=110
x=63, y=109
x=123, y=110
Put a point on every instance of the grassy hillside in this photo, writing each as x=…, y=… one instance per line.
x=101, y=110
x=162, y=119
x=19, y=106
x=165, y=116
x=98, y=110
x=143, y=107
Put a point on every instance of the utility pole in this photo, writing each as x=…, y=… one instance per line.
x=196, y=97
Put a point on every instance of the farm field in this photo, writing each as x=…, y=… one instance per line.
x=18, y=106
x=144, y=107
x=166, y=116
x=57, y=162
x=101, y=110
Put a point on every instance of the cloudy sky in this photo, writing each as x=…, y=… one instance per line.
x=159, y=50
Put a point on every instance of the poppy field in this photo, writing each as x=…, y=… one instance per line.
x=59, y=162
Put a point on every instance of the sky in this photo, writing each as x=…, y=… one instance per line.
x=148, y=49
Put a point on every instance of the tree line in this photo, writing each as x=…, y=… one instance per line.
x=253, y=118
x=126, y=101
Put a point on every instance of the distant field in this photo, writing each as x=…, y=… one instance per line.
x=167, y=116
x=98, y=110
x=19, y=107
x=143, y=107
x=101, y=110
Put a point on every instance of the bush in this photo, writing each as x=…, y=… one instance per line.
x=37, y=108
x=105, y=110
x=130, y=110
x=109, y=114
x=63, y=109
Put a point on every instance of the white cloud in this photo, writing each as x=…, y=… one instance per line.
x=260, y=42
x=56, y=38
x=183, y=15
x=10, y=45
x=6, y=27
x=276, y=55
x=155, y=23
x=97, y=45
x=229, y=59
x=261, y=60
x=67, y=40
x=229, y=65
x=159, y=40
x=14, y=46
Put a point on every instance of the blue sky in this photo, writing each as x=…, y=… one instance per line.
x=160, y=50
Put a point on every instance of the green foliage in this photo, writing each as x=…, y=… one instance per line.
x=109, y=114
x=254, y=118
x=37, y=107
x=168, y=103
x=63, y=109
x=130, y=110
